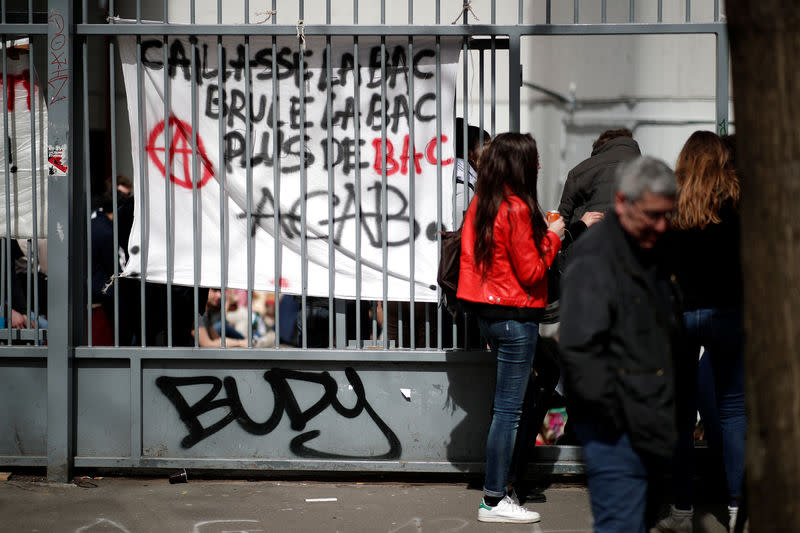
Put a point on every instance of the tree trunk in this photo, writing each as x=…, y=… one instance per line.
x=765, y=50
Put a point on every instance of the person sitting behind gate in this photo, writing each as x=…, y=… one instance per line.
x=208, y=334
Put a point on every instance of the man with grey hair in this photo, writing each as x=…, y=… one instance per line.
x=619, y=336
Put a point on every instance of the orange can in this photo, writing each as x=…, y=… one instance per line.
x=552, y=216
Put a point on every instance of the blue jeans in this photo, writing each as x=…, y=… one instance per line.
x=620, y=481
x=514, y=345
x=719, y=332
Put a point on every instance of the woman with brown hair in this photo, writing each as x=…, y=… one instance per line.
x=506, y=249
x=708, y=271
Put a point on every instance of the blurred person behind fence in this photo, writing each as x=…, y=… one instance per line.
x=620, y=338
x=506, y=249
x=708, y=270
x=589, y=188
x=466, y=168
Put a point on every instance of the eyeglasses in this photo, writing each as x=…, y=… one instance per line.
x=654, y=216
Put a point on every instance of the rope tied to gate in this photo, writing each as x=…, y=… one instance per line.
x=467, y=8
x=110, y=283
x=267, y=14
x=301, y=33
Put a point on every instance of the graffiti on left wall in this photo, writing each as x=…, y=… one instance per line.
x=285, y=401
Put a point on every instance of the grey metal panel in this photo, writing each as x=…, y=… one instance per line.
x=60, y=196
x=103, y=405
x=23, y=419
x=311, y=410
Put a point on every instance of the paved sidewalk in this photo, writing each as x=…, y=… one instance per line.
x=152, y=505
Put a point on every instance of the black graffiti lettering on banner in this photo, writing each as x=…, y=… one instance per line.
x=396, y=198
x=234, y=105
x=396, y=111
x=396, y=63
x=234, y=143
x=284, y=402
x=344, y=154
x=287, y=60
x=371, y=222
x=341, y=115
x=179, y=59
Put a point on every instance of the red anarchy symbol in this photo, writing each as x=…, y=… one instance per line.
x=181, y=133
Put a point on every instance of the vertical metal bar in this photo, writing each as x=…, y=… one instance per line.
x=603, y=11
x=716, y=10
x=688, y=10
x=7, y=142
x=412, y=189
x=223, y=195
x=660, y=10
x=3, y=287
x=519, y=12
x=722, y=80
x=575, y=12
x=142, y=192
x=493, y=73
x=88, y=185
x=60, y=199
x=3, y=242
x=195, y=211
x=632, y=13
x=514, y=82
x=329, y=156
x=439, y=198
x=357, y=134
x=248, y=98
x=113, y=136
x=548, y=11
x=465, y=53
x=35, y=170
x=481, y=96
x=276, y=185
x=28, y=315
x=375, y=322
x=384, y=207
x=303, y=192
x=168, y=186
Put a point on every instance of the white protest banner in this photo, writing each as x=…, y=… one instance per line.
x=23, y=144
x=227, y=173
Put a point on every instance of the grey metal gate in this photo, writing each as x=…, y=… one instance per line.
x=358, y=401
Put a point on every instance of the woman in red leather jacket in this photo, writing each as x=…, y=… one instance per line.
x=506, y=249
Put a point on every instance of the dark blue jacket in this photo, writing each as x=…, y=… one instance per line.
x=620, y=334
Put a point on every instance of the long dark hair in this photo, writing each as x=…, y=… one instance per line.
x=509, y=165
x=707, y=181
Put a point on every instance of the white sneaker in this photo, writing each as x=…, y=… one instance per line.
x=506, y=511
x=677, y=521
x=733, y=512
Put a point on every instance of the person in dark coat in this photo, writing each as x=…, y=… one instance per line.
x=589, y=190
x=620, y=336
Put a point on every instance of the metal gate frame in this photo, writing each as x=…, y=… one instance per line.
x=66, y=31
